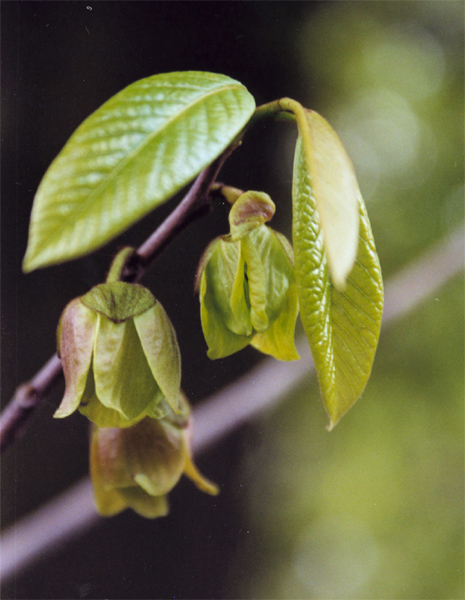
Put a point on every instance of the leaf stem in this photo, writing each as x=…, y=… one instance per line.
x=226, y=192
x=119, y=264
x=288, y=110
x=272, y=110
x=132, y=267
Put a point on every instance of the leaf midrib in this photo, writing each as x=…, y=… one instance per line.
x=90, y=198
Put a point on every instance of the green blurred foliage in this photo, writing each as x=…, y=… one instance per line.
x=375, y=509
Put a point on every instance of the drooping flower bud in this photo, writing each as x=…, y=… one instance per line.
x=136, y=467
x=120, y=356
x=247, y=285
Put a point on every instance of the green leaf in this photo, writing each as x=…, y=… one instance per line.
x=342, y=326
x=334, y=188
x=129, y=156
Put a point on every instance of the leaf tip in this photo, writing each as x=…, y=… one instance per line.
x=28, y=264
x=331, y=425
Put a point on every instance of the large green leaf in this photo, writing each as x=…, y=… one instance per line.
x=334, y=188
x=129, y=156
x=342, y=326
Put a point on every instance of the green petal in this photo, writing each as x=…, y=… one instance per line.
x=257, y=276
x=77, y=329
x=225, y=278
x=239, y=301
x=143, y=504
x=286, y=245
x=248, y=212
x=123, y=379
x=224, y=275
x=156, y=454
x=201, y=482
x=221, y=341
x=118, y=300
x=108, y=458
x=278, y=339
x=107, y=500
x=95, y=411
x=160, y=346
x=270, y=273
x=280, y=272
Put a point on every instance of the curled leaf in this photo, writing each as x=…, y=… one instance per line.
x=334, y=188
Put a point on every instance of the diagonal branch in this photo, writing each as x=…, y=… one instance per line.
x=73, y=513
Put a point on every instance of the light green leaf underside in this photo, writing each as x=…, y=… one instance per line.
x=129, y=156
x=335, y=190
x=342, y=327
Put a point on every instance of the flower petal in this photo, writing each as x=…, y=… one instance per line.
x=220, y=339
x=249, y=211
x=160, y=347
x=225, y=282
x=201, y=482
x=101, y=415
x=76, y=331
x=278, y=339
x=123, y=379
x=143, y=504
x=256, y=274
x=118, y=300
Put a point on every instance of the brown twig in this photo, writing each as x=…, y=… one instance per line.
x=29, y=395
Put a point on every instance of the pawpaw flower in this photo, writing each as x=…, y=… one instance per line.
x=136, y=467
x=247, y=286
x=120, y=356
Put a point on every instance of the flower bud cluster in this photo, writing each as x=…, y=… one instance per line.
x=122, y=369
x=120, y=356
x=247, y=286
x=122, y=364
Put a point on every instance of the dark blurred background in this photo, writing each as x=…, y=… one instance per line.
x=372, y=510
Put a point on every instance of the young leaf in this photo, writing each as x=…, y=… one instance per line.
x=129, y=156
x=342, y=326
x=334, y=188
